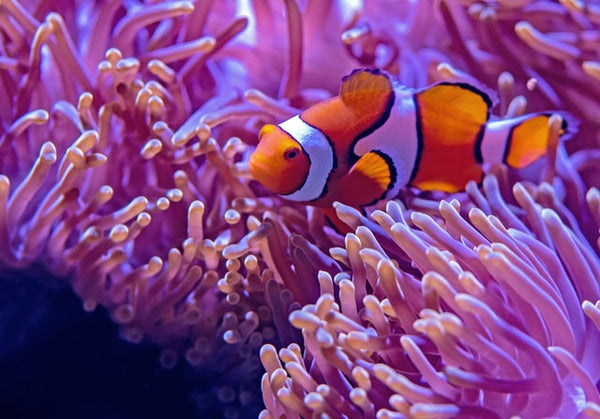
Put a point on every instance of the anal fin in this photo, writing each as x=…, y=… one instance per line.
x=335, y=222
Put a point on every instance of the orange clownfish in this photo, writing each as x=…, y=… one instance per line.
x=376, y=137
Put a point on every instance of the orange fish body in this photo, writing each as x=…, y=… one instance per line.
x=375, y=138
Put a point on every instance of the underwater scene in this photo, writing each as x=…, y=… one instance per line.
x=300, y=209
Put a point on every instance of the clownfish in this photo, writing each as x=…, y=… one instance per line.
x=376, y=137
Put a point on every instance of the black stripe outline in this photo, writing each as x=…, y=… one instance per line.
x=477, y=153
x=419, y=129
x=509, y=140
x=387, y=110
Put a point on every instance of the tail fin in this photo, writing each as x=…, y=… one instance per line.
x=528, y=139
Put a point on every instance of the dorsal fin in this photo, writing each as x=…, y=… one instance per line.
x=364, y=104
x=365, y=88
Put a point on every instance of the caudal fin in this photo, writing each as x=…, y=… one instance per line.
x=528, y=139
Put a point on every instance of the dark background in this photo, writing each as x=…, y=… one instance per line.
x=57, y=361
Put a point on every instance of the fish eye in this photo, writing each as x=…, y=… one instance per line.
x=291, y=153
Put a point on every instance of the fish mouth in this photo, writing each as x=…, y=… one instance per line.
x=260, y=171
x=263, y=172
x=255, y=168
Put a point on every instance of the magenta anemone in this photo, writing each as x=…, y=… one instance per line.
x=123, y=171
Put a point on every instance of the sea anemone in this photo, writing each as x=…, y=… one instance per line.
x=474, y=309
x=111, y=179
x=124, y=172
x=483, y=304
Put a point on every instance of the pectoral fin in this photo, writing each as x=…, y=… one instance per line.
x=368, y=180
